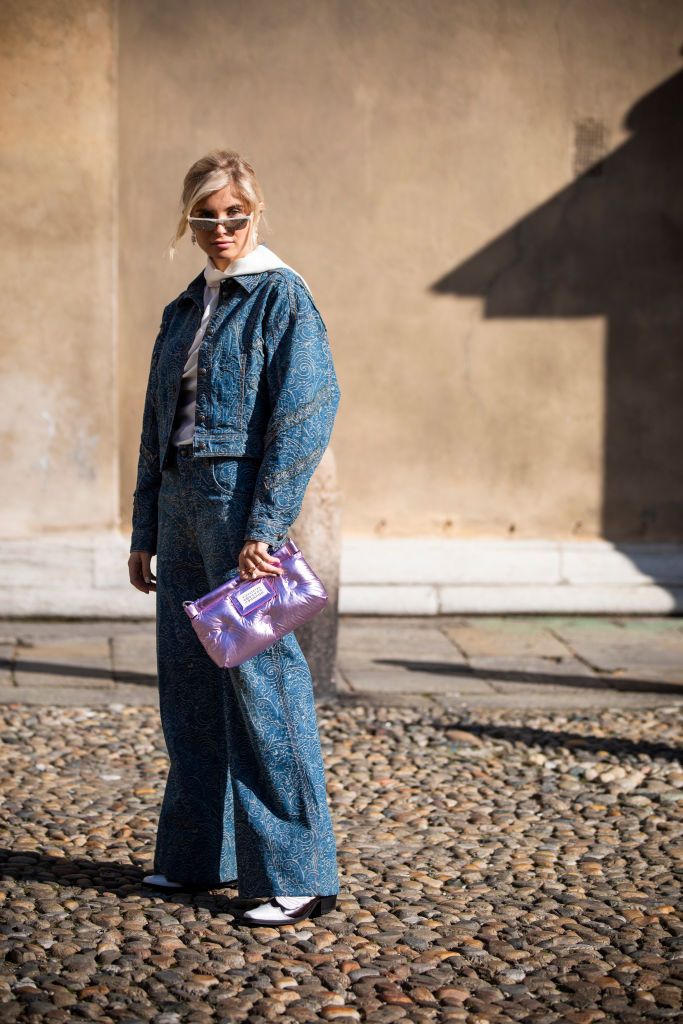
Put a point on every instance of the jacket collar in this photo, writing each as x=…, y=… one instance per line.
x=195, y=289
x=246, y=270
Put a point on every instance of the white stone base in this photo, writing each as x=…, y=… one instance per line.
x=427, y=576
x=86, y=575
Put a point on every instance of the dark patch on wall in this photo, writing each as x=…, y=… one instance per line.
x=590, y=146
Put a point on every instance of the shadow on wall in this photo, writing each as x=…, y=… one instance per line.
x=611, y=244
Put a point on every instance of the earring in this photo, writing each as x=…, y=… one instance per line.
x=194, y=239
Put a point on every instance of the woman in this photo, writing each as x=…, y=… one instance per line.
x=241, y=399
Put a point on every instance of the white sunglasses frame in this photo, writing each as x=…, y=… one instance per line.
x=225, y=221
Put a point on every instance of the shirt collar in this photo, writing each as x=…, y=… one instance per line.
x=260, y=258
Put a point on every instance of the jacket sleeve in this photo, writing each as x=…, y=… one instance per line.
x=146, y=493
x=304, y=396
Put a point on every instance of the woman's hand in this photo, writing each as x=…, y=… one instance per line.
x=254, y=561
x=141, y=576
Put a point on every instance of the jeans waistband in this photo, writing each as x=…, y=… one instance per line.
x=176, y=452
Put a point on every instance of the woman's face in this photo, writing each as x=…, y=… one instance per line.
x=218, y=244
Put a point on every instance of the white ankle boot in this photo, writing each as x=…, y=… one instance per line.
x=161, y=882
x=286, y=909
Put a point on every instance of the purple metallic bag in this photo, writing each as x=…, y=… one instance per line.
x=241, y=618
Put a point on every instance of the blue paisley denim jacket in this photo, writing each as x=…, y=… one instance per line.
x=266, y=389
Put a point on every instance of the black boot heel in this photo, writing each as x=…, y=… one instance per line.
x=324, y=905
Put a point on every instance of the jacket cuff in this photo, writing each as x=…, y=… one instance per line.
x=271, y=534
x=143, y=540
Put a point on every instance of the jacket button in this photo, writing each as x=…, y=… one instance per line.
x=202, y=370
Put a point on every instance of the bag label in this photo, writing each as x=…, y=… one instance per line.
x=252, y=596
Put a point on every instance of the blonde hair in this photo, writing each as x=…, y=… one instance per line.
x=212, y=172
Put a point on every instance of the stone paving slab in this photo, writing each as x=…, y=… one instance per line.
x=6, y=659
x=653, y=626
x=626, y=645
x=413, y=681
x=530, y=669
x=652, y=677
x=116, y=695
x=72, y=661
x=385, y=642
x=496, y=636
x=134, y=656
x=33, y=631
x=555, y=698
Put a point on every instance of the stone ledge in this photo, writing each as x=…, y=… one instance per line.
x=86, y=576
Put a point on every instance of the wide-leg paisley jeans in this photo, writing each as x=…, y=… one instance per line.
x=245, y=795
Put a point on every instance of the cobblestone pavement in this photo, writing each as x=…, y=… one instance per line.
x=497, y=864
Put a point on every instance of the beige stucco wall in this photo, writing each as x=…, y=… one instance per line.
x=418, y=164
x=58, y=389
x=394, y=143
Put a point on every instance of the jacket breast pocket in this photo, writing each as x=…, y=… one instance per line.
x=227, y=387
x=253, y=354
x=252, y=380
x=238, y=372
